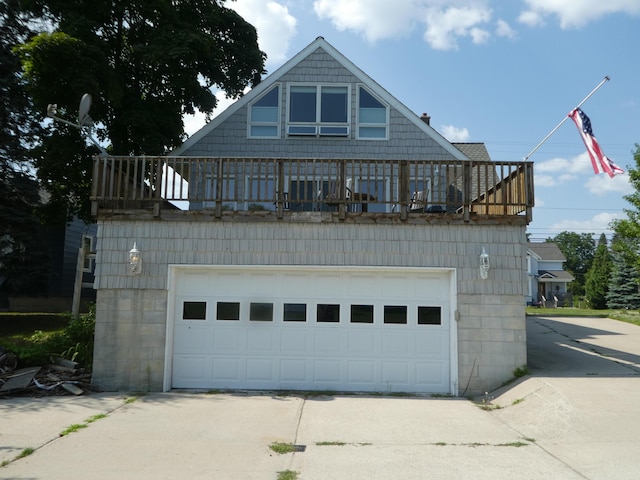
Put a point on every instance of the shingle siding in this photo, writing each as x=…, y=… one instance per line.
x=491, y=326
x=406, y=140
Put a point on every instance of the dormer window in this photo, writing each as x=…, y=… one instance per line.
x=373, y=117
x=318, y=110
x=264, y=115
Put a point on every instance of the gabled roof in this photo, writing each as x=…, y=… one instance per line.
x=476, y=151
x=555, y=275
x=546, y=251
x=321, y=43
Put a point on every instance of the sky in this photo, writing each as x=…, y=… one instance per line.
x=501, y=72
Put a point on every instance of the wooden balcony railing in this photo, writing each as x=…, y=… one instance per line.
x=344, y=186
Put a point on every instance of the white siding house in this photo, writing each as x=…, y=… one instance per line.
x=546, y=275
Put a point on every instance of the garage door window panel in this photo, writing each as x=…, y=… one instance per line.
x=395, y=314
x=194, y=311
x=294, y=312
x=261, y=312
x=228, y=311
x=361, y=313
x=429, y=315
x=328, y=313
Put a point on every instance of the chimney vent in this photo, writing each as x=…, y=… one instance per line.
x=425, y=118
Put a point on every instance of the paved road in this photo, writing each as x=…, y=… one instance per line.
x=576, y=417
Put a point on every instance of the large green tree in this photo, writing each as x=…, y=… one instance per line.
x=598, y=276
x=579, y=250
x=24, y=260
x=146, y=63
x=629, y=228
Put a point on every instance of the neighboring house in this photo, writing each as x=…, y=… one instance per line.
x=331, y=239
x=63, y=243
x=546, y=277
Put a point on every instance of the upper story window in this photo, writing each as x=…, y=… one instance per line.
x=373, y=117
x=264, y=115
x=318, y=110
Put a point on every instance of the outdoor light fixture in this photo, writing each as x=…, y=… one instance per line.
x=135, y=260
x=484, y=264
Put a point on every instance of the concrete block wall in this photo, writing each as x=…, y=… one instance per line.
x=131, y=310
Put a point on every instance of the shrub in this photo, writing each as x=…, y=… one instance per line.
x=73, y=342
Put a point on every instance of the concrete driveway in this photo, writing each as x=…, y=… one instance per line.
x=582, y=400
x=575, y=417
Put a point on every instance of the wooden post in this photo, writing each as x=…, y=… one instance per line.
x=77, y=287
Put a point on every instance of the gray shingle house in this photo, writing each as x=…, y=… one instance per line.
x=316, y=235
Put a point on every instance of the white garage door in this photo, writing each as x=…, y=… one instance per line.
x=306, y=328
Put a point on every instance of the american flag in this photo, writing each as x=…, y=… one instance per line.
x=601, y=163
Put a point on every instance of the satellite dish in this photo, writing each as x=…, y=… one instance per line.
x=83, y=111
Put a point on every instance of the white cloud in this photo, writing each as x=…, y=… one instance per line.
x=601, y=184
x=532, y=19
x=454, y=134
x=275, y=25
x=445, y=26
x=597, y=223
x=575, y=13
x=443, y=21
x=374, y=19
x=564, y=166
x=503, y=29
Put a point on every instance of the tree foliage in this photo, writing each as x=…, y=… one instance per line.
x=145, y=63
x=624, y=287
x=579, y=250
x=24, y=260
x=629, y=228
x=598, y=276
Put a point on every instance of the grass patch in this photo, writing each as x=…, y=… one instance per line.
x=521, y=371
x=95, y=418
x=288, y=475
x=34, y=338
x=330, y=444
x=529, y=439
x=517, y=401
x=25, y=453
x=282, y=448
x=512, y=444
x=628, y=316
x=73, y=428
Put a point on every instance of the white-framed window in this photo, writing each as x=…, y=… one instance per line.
x=264, y=115
x=318, y=110
x=87, y=243
x=373, y=116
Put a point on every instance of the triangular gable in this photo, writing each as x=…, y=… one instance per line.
x=321, y=43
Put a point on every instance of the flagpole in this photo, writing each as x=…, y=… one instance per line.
x=605, y=80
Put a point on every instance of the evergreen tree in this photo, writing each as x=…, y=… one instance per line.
x=598, y=276
x=624, y=289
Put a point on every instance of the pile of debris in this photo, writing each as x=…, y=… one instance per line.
x=60, y=377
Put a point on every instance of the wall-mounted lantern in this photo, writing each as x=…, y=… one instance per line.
x=484, y=264
x=135, y=260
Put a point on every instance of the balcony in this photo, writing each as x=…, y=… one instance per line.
x=334, y=190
